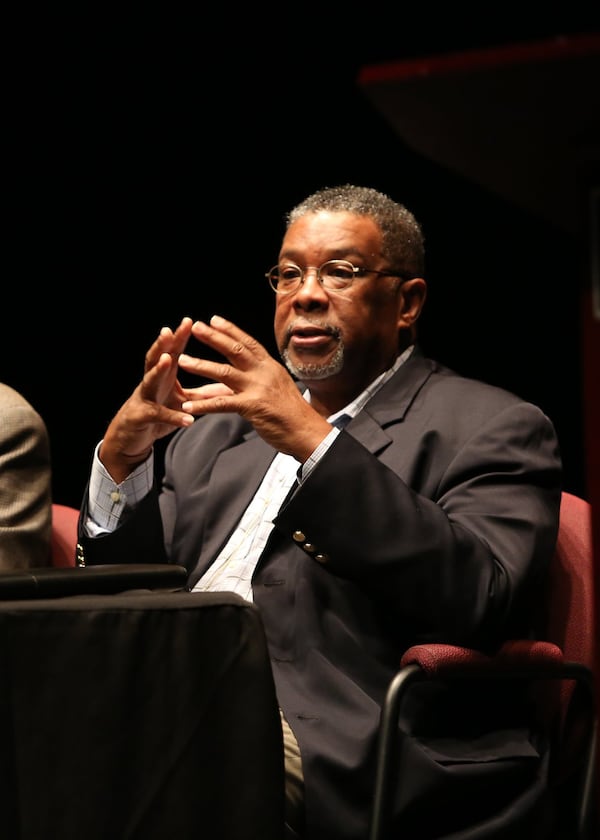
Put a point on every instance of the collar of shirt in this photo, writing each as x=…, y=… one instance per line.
x=342, y=418
x=352, y=409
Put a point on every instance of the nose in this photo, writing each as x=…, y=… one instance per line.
x=310, y=289
x=311, y=271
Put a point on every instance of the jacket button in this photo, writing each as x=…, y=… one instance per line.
x=322, y=558
x=298, y=536
x=79, y=555
x=309, y=547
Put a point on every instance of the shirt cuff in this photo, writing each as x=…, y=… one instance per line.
x=107, y=500
x=313, y=459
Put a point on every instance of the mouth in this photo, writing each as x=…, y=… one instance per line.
x=307, y=337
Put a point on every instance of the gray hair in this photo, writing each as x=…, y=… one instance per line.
x=402, y=236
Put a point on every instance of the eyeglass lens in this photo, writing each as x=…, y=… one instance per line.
x=333, y=274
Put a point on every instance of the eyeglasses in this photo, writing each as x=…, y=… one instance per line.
x=334, y=275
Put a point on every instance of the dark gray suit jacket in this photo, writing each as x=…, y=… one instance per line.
x=433, y=516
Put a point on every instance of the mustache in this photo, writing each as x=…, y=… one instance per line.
x=300, y=324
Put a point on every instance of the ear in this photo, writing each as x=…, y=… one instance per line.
x=411, y=298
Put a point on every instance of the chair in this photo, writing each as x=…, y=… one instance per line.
x=559, y=665
x=64, y=535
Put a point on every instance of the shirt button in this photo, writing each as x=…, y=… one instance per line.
x=115, y=496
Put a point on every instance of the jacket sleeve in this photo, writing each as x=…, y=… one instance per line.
x=451, y=541
x=138, y=539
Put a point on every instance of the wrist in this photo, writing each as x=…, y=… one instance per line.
x=120, y=465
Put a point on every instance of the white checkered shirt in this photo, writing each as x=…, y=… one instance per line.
x=233, y=568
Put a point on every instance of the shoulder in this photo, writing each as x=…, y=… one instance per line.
x=10, y=398
x=18, y=413
x=431, y=389
x=13, y=402
x=451, y=384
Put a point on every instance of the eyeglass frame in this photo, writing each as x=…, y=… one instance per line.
x=357, y=270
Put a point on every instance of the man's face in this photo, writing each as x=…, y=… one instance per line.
x=337, y=338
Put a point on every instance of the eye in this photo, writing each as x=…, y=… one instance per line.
x=337, y=273
x=341, y=271
x=288, y=276
x=289, y=272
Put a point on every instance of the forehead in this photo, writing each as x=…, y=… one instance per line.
x=333, y=233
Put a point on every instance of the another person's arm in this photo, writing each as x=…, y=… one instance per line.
x=25, y=484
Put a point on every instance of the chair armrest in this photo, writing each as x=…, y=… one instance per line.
x=518, y=659
x=444, y=660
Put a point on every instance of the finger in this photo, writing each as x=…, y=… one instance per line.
x=159, y=378
x=213, y=389
x=230, y=377
x=182, y=334
x=240, y=348
x=207, y=397
x=169, y=341
x=160, y=384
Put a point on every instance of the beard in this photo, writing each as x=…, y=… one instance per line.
x=316, y=370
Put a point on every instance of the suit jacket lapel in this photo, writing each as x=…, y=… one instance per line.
x=390, y=404
x=235, y=478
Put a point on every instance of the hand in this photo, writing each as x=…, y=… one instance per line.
x=253, y=385
x=153, y=410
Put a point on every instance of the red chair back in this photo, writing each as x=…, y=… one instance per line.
x=568, y=622
x=64, y=535
x=571, y=595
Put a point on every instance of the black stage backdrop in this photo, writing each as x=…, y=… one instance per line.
x=151, y=159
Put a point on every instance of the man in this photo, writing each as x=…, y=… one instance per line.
x=431, y=516
x=25, y=484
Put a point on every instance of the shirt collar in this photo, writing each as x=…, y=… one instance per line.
x=353, y=407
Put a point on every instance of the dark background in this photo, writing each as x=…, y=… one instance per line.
x=151, y=158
